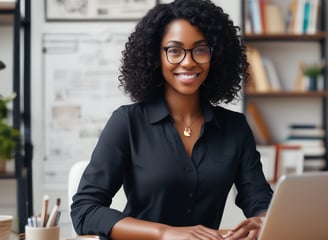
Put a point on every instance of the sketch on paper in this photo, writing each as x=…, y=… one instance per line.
x=81, y=91
x=97, y=9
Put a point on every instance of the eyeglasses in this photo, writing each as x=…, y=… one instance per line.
x=200, y=54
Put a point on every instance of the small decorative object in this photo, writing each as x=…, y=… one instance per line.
x=187, y=131
x=312, y=72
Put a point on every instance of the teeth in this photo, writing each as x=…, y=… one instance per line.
x=187, y=76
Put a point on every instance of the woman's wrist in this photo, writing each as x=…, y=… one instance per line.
x=132, y=228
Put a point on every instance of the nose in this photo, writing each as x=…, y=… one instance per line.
x=188, y=60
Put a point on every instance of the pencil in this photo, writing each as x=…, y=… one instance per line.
x=53, y=215
x=44, y=211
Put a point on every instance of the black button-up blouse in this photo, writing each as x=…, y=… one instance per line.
x=141, y=149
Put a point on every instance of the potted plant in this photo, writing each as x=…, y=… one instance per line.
x=312, y=72
x=8, y=134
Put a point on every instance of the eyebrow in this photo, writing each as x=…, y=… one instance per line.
x=180, y=43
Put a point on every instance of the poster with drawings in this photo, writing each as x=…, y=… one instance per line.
x=64, y=10
x=80, y=92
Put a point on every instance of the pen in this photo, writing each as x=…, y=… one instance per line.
x=53, y=215
x=30, y=222
x=44, y=213
x=57, y=218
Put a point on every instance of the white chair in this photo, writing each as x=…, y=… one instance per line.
x=74, y=176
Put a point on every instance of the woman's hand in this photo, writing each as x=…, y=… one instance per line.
x=198, y=232
x=248, y=229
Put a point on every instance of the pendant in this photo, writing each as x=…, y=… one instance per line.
x=187, y=132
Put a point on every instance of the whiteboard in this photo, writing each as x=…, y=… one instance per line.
x=80, y=93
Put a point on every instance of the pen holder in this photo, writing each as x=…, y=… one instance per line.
x=42, y=233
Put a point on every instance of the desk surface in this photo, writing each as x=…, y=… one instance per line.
x=14, y=236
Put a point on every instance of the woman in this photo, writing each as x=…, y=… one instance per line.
x=176, y=153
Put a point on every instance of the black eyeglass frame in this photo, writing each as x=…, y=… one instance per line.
x=185, y=53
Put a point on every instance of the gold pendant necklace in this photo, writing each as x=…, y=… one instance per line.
x=187, y=131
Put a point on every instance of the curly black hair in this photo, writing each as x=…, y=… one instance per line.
x=141, y=76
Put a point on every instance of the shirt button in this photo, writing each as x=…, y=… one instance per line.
x=188, y=210
x=191, y=195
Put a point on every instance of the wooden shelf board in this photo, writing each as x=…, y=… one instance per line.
x=7, y=175
x=287, y=94
x=285, y=37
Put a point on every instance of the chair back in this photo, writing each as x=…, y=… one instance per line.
x=74, y=176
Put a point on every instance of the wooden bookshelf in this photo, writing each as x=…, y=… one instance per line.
x=289, y=50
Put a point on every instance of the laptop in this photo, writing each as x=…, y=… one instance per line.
x=298, y=209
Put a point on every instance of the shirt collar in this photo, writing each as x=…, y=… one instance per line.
x=157, y=110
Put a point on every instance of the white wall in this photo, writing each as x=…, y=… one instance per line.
x=39, y=27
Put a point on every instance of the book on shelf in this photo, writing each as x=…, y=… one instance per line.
x=263, y=16
x=247, y=19
x=312, y=146
x=272, y=74
x=306, y=142
x=258, y=125
x=306, y=131
x=303, y=16
x=259, y=81
x=314, y=151
x=274, y=23
x=316, y=163
x=299, y=17
x=314, y=17
x=255, y=16
x=304, y=126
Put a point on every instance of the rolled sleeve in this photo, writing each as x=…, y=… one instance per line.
x=90, y=210
x=254, y=192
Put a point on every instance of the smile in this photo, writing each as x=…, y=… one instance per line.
x=185, y=76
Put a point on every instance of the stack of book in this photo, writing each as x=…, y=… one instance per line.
x=311, y=138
